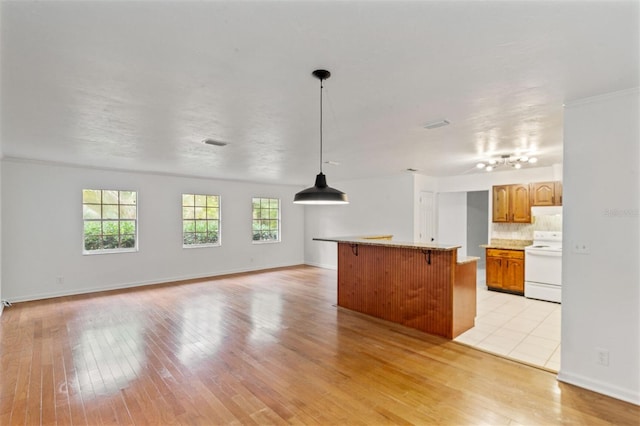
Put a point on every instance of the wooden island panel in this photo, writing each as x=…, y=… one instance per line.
x=410, y=286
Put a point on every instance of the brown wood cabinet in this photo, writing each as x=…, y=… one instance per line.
x=511, y=203
x=546, y=193
x=505, y=270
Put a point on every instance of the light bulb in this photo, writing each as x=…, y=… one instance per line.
x=533, y=160
x=481, y=165
x=517, y=165
x=489, y=168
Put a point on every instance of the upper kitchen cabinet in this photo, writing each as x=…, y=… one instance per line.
x=546, y=194
x=511, y=203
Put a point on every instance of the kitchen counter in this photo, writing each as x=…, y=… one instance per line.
x=386, y=240
x=422, y=286
x=507, y=244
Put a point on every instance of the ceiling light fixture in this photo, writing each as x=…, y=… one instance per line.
x=507, y=160
x=214, y=142
x=321, y=193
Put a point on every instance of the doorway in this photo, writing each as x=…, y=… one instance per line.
x=478, y=226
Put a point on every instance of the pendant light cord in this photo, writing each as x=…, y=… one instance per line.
x=321, y=86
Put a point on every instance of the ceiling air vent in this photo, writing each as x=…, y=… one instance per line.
x=214, y=142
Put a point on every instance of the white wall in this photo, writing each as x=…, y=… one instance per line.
x=376, y=206
x=452, y=220
x=42, y=227
x=601, y=289
x=1, y=298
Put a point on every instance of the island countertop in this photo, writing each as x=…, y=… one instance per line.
x=385, y=240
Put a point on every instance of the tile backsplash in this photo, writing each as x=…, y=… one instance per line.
x=524, y=231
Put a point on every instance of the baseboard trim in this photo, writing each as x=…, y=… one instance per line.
x=158, y=281
x=600, y=387
x=322, y=265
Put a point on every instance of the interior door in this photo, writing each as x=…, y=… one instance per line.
x=427, y=217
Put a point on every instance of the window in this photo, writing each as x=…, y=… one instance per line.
x=200, y=220
x=266, y=220
x=110, y=220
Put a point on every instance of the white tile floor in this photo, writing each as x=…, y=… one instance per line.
x=516, y=327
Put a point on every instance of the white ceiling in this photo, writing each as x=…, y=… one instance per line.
x=139, y=85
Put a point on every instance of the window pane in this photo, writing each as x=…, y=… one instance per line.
x=91, y=196
x=188, y=213
x=212, y=226
x=212, y=213
x=273, y=203
x=188, y=239
x=127, y=212
x=109, y=197
x=201, y=200
x=128, y=227
x=188, y=200
x=127, y=241
x=189, y=226
x=109, y=212
x=110, y=228
x=201, y=226
x=110, y=242
x=213, y=201
x=92, y=228
x=264, y=203
x=273, y=214
x=91, y=211
x=201, y=213
x=256, y=203
x=128, y=197
x=212, y=237
x=92, y=242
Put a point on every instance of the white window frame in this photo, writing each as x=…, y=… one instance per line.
x=86, y=212
x=279, y=220
x=206, y=207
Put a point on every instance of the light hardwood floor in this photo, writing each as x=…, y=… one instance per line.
x=261, y=348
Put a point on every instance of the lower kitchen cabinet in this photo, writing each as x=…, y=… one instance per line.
x=505, y=270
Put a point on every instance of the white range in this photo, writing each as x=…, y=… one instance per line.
x=543, y=267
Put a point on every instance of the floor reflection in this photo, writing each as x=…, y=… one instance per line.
x=266, y=316
x=108, y=357
x=201, y=330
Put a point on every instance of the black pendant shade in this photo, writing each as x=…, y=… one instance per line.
x=321, y=193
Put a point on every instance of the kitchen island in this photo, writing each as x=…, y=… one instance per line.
x=422, y=286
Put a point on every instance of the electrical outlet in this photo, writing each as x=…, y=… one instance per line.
x=59, y=280
x=602, y=357
x=580, y=248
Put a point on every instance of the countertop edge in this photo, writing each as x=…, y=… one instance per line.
x=385, y=241
x=467, y=259
x=501, y=247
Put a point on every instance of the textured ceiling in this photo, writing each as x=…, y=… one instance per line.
x=139, y=85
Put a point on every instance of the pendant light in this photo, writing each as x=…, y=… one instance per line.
x=321, y=193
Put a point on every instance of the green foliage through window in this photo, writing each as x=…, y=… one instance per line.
x=266, y=219
x=200, y=220
x=110, y=219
